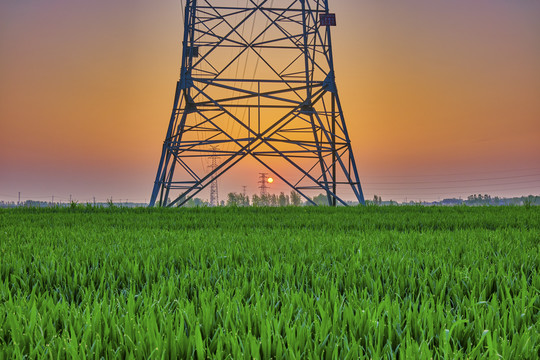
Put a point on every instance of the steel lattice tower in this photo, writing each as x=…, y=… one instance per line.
x=258, y=81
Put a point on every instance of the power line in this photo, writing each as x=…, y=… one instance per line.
x=451, y=181
x=405, y=193
x=182, y=8
x=463, y=186
x=457, y=174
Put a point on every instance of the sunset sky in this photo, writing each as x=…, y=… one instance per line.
x=442, y=98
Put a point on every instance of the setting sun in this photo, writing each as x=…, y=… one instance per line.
x=270, y=180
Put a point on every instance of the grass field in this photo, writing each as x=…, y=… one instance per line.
x=374, y=282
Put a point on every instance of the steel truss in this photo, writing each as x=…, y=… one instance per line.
x=287, y=116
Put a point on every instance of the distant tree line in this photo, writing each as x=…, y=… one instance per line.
x=472, y=200
x=479, y=199
x=240, y=199
x=294, y=199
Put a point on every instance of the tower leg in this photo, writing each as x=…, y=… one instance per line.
x=322, y=164
x=357, y=188
x=165, y=154
x=334, y=178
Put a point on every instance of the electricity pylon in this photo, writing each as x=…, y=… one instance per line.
x=257, y=80
x=263, y=184
x=214, y=195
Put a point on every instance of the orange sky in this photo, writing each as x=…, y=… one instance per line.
x=441, y=98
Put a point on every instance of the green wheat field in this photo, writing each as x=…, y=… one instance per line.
x=370, y=282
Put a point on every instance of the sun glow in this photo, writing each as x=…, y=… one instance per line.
x=270, y=180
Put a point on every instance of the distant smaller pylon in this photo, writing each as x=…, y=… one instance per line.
x=263, y=183
x=214, y=194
